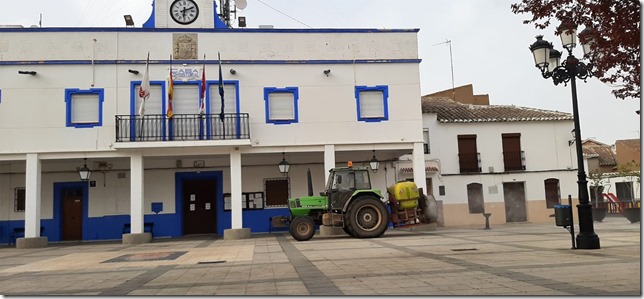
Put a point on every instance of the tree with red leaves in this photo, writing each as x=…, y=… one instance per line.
x=615, y=36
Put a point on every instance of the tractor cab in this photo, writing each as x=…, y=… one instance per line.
x=343, y=182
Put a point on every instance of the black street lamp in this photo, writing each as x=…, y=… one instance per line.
x=284, y=166
x=84, y=172
x=374, y=163
x=547, y=60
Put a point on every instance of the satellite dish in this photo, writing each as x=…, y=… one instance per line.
x=241, y=4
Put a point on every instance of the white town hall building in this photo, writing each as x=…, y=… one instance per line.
x=314, y=98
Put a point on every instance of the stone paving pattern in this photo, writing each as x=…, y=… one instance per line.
x=509, y=259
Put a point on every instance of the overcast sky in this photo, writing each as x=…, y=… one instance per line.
x=489, y=46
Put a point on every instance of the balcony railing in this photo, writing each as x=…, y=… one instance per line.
x=469, y=162
x=182, y=127
x=514, y=160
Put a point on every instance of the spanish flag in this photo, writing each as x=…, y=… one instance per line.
x=169, y=113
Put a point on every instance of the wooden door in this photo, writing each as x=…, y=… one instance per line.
x=72, y=217
x=199, y=201
x=515, y=206
x=475, y=198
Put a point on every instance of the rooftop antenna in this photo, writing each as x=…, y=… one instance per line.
x=225, y=10
x=40, y=21
x=451, y=63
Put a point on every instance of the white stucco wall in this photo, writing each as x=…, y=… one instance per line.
x=545, y=144
x=32, y=114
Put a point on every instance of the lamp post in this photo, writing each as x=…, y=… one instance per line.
x=547, y=60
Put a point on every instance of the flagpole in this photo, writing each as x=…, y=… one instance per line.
x=170, y=112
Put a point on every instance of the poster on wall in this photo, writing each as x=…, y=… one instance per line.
x=227, y=203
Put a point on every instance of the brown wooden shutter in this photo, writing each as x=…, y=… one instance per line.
x=277, y=191
x=467, y=153
x=512, y=151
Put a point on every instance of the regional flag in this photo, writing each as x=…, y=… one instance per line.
x=144, y=89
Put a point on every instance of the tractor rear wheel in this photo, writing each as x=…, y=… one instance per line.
x=302, y=228
x=367, y=217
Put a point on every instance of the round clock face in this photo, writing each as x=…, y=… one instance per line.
x=184, y=11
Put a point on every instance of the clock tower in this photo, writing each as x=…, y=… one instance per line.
x=184, y=14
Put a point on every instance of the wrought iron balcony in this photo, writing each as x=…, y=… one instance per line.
x=469, y=162
x=514, y=160
x=182, y=127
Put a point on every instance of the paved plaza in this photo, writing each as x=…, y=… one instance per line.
x=508, y=259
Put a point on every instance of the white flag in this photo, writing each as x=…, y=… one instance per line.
x=144, y=89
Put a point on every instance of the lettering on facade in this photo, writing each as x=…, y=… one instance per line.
x=184, y=46
x=186, y=73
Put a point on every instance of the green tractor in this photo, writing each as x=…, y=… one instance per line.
x=350, y=202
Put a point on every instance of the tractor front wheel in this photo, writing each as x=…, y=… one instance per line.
x=367, y=217
x=302, y=228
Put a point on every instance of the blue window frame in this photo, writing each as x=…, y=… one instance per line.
x=372, y=103
x=84, y=108
x=281, y=105
x=155, y=104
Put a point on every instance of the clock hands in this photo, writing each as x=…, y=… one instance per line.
x=183, y=11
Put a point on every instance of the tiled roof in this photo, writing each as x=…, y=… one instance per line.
x=605, y=154
x=449, y=111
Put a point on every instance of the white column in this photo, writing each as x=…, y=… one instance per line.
x=418, y=157
x=136, y=193
x=235, y=190
x=329, y=161
x=32, y=196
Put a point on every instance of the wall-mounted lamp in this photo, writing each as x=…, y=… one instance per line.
x=233, y=71
x=327, y=72
x=84, y=172
x=128, y=20
x=27, y=72
x=284, y=166
x=133, y=72
x=571, y=142
x=374, y=163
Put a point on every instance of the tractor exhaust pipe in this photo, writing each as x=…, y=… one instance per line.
x=309, y=181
